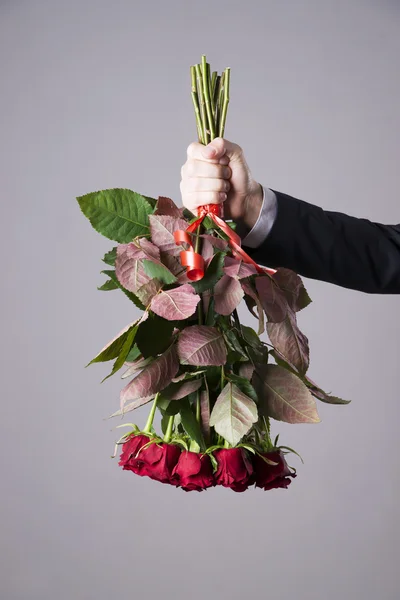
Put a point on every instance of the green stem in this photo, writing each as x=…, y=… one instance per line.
x=225, y=102
x=207, y=95
x=198, y=407
x=170, y=426
x=195, y=99
x=222, y=378
x=150, y=418
x=226, y=444
x=203, y=112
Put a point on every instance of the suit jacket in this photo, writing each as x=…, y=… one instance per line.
x=332, y=247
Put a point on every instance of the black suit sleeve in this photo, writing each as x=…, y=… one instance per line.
x=333, y=247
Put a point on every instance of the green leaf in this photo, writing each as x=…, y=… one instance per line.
x=250, y=336
x=134, y=354
x=244, y=385
x=154, y=335
x=110, y=257
x=112, y=275
x=232, y=340
x=108, y=286
x=233, y=414
x=113, y=348
x=151, y=201
x=126, y=347
x=190, y=423
x=169, y=407
x=213, y=273
x=211, y=316
x=118, y=214
x=158, y=271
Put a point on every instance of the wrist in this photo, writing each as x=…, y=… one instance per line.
x=251, y=209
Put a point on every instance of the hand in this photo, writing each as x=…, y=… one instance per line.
x=219, y=173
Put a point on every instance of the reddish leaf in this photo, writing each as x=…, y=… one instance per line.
x=166, y=206
x=162, y=232
x=272, y=299
x=228, y=294
x=283, y=396
x=290, y=342
x=175, y=266
x=252, y=300
x=207, y=249
x=177, y=391
x=201, y=346
x=154, y=378
x=147, y=291
x=215, y=241
x=238, y=269
x=293, y=288
x=128, y=268
x=246, y=370
x=176, y=304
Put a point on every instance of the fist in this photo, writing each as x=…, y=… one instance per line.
x=218, y=173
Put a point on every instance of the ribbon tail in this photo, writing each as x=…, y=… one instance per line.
x=235, y=243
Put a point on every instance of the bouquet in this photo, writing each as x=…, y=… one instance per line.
x=215, y=381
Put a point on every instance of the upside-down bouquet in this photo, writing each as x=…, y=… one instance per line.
x=216, y=383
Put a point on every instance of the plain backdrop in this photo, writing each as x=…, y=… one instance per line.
x=96, y=94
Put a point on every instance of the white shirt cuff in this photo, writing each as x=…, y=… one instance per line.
x=265, y=221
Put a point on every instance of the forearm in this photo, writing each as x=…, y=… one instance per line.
x=332, y=247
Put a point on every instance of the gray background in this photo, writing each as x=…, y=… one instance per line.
x=96, y=95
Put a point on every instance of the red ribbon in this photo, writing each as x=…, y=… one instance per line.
x=193, y=261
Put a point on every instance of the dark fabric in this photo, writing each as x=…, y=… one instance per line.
x=334, y=247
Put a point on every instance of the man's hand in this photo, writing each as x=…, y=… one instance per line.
x=219, y=173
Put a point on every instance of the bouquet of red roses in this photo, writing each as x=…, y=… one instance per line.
x=216, y=383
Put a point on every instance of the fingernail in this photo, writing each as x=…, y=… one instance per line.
x=222, y=196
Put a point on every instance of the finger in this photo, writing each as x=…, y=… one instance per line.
x=220, y=147
x=206, y=184
x=219, y=150
x=200, y=168
x=193, y=200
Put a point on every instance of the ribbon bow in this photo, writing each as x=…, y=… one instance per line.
x=193, y=261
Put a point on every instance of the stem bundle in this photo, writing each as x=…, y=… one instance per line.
x=210, y=95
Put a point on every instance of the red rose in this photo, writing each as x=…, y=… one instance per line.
x=268, y=476
x=234, y=468
x=193, y=472
x=156, y=461
x=129, y=451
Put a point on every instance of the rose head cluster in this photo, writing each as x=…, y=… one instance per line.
x=236, y=468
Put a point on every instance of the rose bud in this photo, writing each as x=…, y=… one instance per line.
x=158, y=461
x=268, y=476
x=234, y=468
x=193, y=472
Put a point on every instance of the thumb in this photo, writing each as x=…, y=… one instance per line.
x=220, y=147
